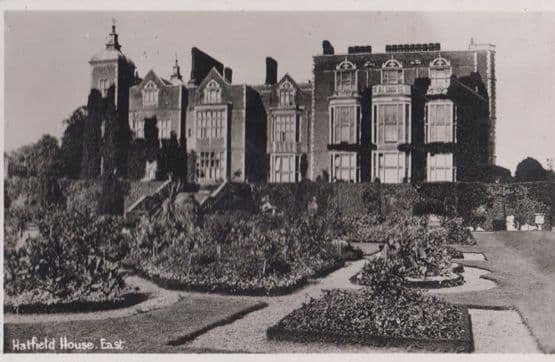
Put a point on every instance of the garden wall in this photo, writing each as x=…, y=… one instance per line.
x=479, y=204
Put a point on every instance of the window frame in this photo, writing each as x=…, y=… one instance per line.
x=430, y=120
x=292, y=174
x=346, y=70
x=448, y=168
x=150, y=93
x=338, y=170
x=212, y=93
x=211, y=123
x=337, y=123
x=392, y=66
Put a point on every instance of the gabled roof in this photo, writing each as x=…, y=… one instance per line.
x=213, y=74
x=151, y=75
x=287, y=77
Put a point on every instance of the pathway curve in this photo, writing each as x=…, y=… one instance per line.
x=249, y=333
x=158, y=298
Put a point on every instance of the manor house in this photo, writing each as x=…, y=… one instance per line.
x=413, y=112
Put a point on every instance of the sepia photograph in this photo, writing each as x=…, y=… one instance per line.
x=199, y=181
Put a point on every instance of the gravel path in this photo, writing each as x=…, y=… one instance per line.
x=500, y=332
x=249, y=333
x=472, y=282
x=474, y=256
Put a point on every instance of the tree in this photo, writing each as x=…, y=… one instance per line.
x=529, y=170
x=110, y=132
x=151, y=138
x=111, y=199
x=90, y=164
x=37, y=157
x=72, y=142
x=49, y=189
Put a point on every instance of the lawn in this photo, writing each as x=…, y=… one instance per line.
x=523, y=265
x=161, y=331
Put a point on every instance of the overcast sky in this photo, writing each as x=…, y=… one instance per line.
x=47, y=53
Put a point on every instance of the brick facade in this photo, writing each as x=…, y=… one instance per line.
x=412, y=113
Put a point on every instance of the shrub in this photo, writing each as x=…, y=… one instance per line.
x=457, y=233
x=72, y=260
x=82, y=196
x=382, y=276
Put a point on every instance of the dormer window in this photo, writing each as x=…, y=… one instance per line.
x=346, y=77
x=150, y=94
x=440, y=75
x=212, y=93
x=286, y=94
x=392, y=72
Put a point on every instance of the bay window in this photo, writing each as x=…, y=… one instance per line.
x=345, y=166
x=391, y=166
x=211, y=123
x=345, y=124
x=285, y=168
x=210, y=167
x=286, y=128
x=391, y=123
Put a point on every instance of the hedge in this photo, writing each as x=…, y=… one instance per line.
x=478, y=204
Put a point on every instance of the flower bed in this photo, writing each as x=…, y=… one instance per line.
x=363, y=317
x=73, y=262
x=263, y=255
x=271, y=285
x=44, y=303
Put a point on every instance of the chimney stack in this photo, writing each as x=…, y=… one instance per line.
x=271, y=71
x=327, y=48
x=228, y=74
x=201, y=64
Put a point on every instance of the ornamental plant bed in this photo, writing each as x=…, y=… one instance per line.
x=126, y=300
x=449, y=279
x=410, y=320
x=272, y=285
x=434, y=282
x=72, y=263
x=230, y=254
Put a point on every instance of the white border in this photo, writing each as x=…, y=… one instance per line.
x=263, y=5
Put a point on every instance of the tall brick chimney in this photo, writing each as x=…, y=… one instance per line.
x=228, y=73
x=327, y=48
x=201, y=64
x=271, y=71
